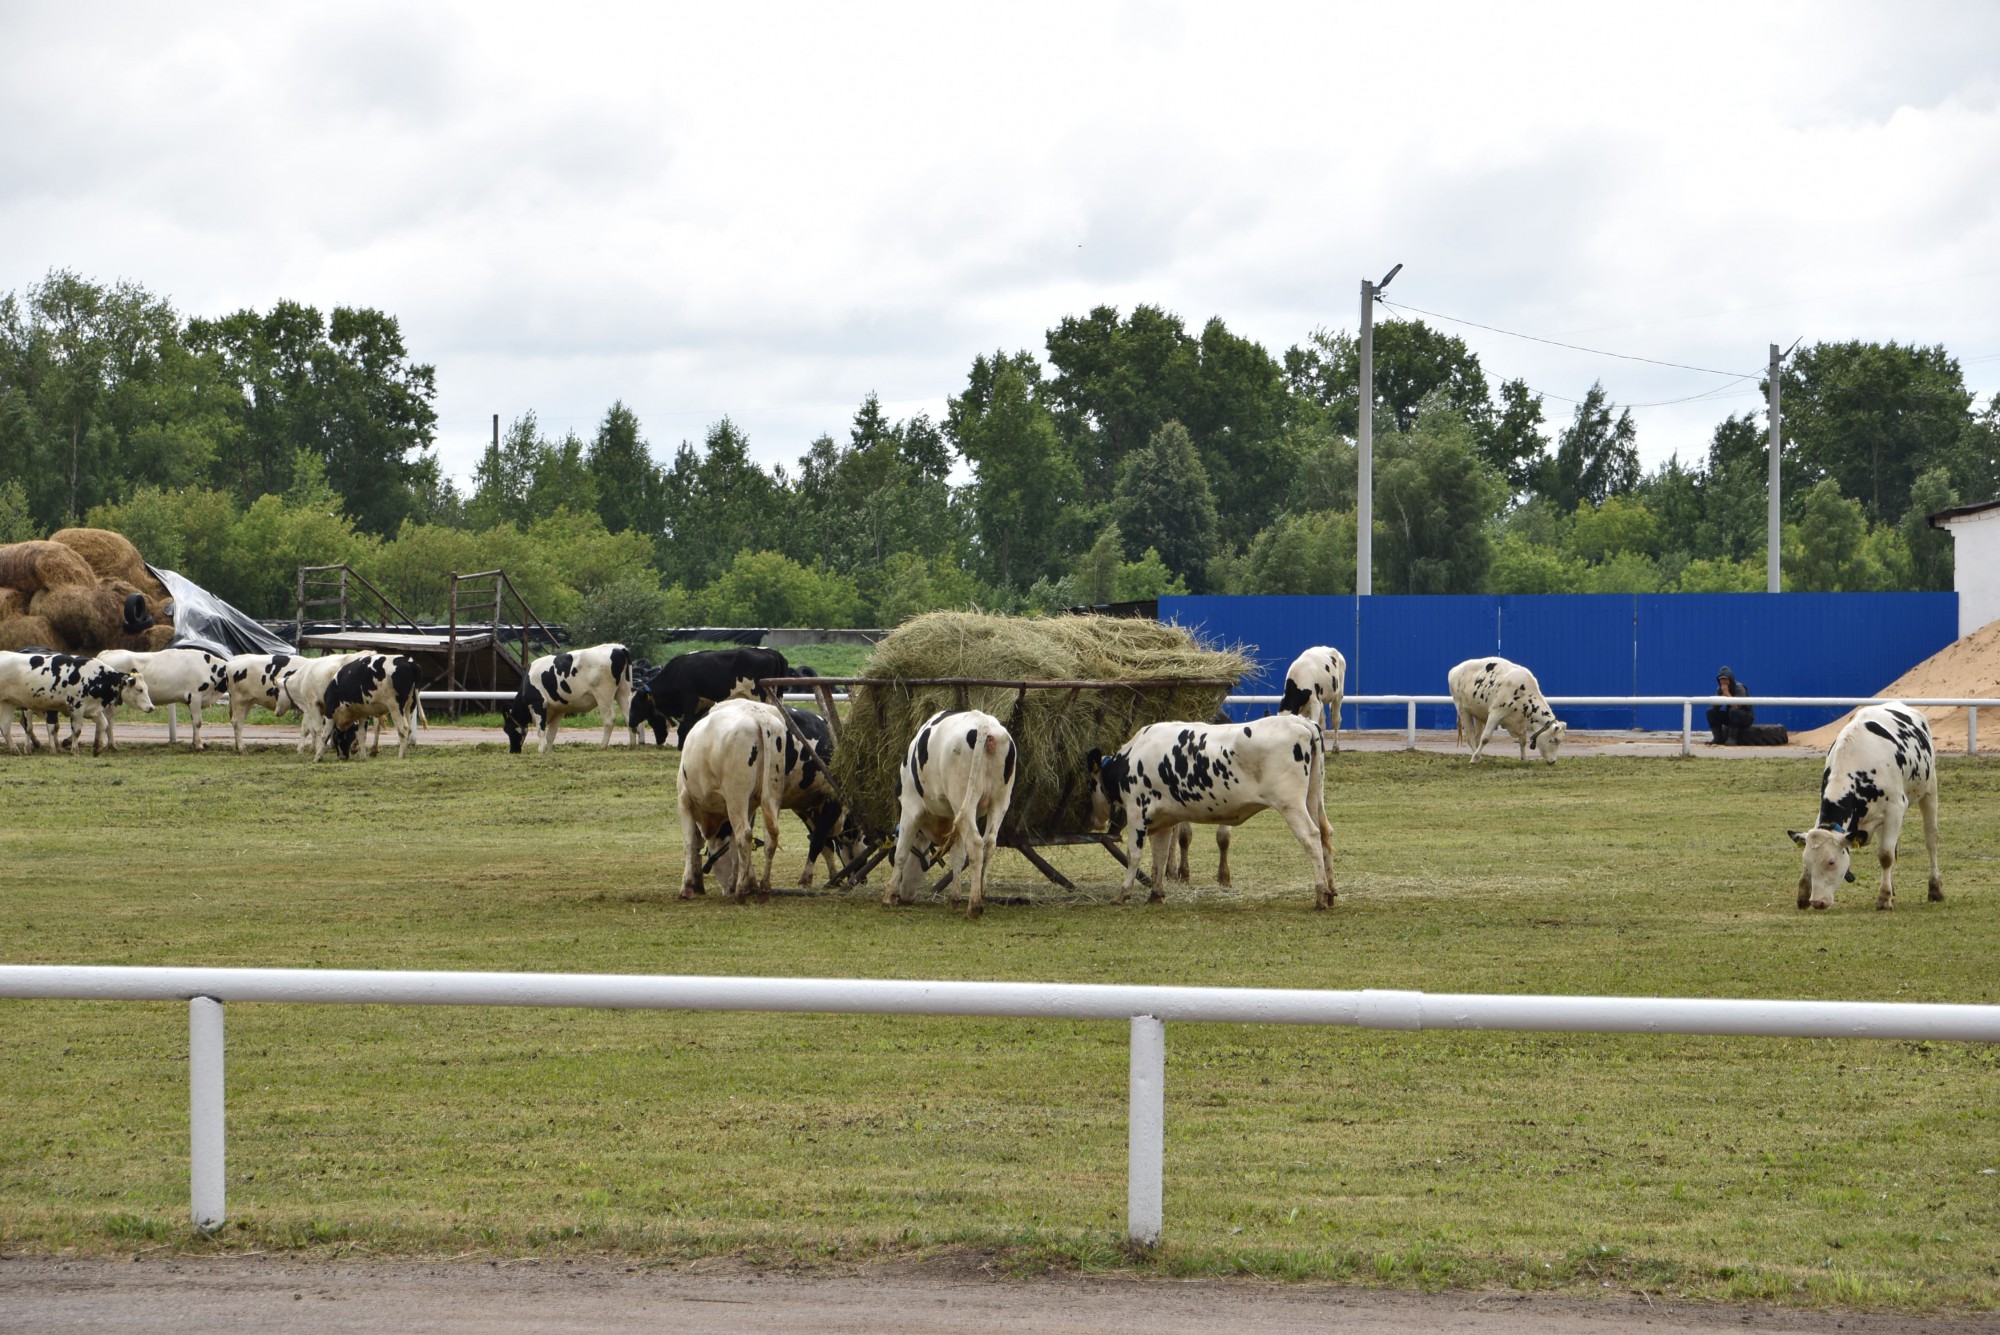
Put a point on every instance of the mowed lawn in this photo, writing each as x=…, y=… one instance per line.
x=1804, y=1172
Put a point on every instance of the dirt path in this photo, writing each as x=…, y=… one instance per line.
x=531, y=1298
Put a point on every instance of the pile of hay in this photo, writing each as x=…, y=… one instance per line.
x=111, y=556
x=1055, y=736
x=71, y=592
x=30, y=567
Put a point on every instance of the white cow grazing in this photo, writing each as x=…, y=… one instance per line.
x=1880, y=763
x=254, y=679
x=305, y=688
x=572, y=682
x=1316, y=680
x=63, y=683
x=1492, y=694
x=732, y=763
x=1215, y=774
x=369, y=688
x=192, y=677
x=952, y=789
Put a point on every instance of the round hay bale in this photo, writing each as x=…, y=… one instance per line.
x=158, y=612
x=149, y=641
x=112, y=556
x=86, y=619
x=1055, y=734
x=13, y=603
x=30, y=632
x=30, y=567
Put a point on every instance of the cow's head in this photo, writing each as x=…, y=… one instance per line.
x=515, y=720
x=129, y=688
x=343, y=740
x=1106, y=775
x=1826, y=859
x=1548, y=740
x=645, y=710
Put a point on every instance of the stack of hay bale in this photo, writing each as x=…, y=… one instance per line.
x=76, y=593
x=1054, y=731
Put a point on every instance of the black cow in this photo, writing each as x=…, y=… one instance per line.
x=683, y=690
x=372, y=686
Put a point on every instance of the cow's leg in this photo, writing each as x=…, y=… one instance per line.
x=1161, y=840
x=373, y=727
x=906, y=865
x=1177, y=857
x=1314, y=840
x=404, y=723
x=1885, y=852
x=7, y=729
x=1333, y=728
x=239, y=710
x=103, y=728
x=1136, y=844
x=1930, y=812
x=769, y=802
x=1223, y=834
x=604, y=712
x=692, y=840
x=1485, y=735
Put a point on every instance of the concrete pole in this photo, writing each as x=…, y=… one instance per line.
x=205, y=1114
x=1364, y=436
x=1146, y=1134
x=1771, y=523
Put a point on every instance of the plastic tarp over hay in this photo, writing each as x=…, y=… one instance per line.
x=1055, y=729
x=204, y=620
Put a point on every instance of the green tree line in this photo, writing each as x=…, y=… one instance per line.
x=1131, y=456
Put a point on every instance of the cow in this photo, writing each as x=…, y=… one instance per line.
x=952, y=792
x=65, y=683
x=830, y=828
x=1881, y=762
x=572, y=682
x=681, y=691
x=1316, y=681
x=254, y=679
x=187, y=676
x=371, y=686
x=1491, y=694
x=306, y=687
x=1215, y=774
x=731, y=764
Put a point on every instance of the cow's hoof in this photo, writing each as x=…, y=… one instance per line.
x=1225, y=882
x=1937, y=892
x=688, y=892
x=1822, y=907
x=975, y=911
x=1157, y=897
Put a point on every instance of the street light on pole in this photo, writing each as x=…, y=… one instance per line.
x=1364, y=518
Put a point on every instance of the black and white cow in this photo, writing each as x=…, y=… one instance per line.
x=1315, y=682
x=186, y=676
x=1881, y=762
x=831, y=830
x=304, y=688
x=731, y=765
x=1215, y=774
x=255, y=679
x=368, y=687
x=683, y=689
x=1491, y=694
x=953, y=789
x=573, y=682
x=65, y=684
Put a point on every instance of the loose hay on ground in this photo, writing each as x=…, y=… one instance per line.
x=1054, y=733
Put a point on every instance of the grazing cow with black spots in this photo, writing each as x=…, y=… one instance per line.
x=952, y=790
x=1316, y=681
x=1881, y=762
x=63, y=683
x=304, y=688
x=573, y=682
x=368, y=687
x=187, y=676
x=1492, y=694
x=831, y=830
x=1215, y=774
x=254, y=679
x=685, y=688
x=732, y=763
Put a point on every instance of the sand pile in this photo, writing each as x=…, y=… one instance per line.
x=1967, y=667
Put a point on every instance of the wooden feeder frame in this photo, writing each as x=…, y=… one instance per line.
x=1021, y=841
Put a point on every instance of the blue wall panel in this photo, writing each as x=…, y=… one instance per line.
x=1575, y=644
x=1591, y=644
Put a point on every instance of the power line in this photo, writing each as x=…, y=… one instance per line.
x=1557, y=343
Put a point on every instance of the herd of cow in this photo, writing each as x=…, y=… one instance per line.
x=743, y=757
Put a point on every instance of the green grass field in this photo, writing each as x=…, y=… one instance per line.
x=1800, y=1172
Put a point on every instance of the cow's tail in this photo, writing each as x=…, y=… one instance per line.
x=982, y=775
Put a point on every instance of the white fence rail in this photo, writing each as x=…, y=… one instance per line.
x=1146, y=1008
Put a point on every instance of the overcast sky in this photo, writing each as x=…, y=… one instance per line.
x=767, y=211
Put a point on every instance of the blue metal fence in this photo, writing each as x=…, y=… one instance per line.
x=1590, y=644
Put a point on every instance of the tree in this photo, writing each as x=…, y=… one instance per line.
x=1308, y=552
x=1595, y=456
x=1874, y=416
x=718, y=503
x=1618, y=525
x=1147, y=577
x=1828, y=551
x=1434, y=497
x=626, y=480
x=1022, y=476
x=1163, y=503
x=1413, y=365
x=1521, y=565
x=770, y=589
x=1096, y=577
x=1930, y=551
x=1513, y=445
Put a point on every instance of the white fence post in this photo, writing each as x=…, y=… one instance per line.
x=1413, y=726
x=173, y=723
x=205, y=1125
x=1687, y=726
x=1144, y=1207
x=1972, y=730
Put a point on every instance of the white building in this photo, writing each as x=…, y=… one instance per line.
x=1975, y=534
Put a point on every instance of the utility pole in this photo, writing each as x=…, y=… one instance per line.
x=1364, y=493
x=1771, y=524
x=496, y=435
